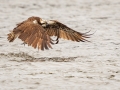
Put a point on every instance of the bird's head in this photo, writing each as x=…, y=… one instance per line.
x=43, y=22
x=37, y=20
x=50, y=22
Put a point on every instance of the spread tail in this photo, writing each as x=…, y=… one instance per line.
x=11, y=36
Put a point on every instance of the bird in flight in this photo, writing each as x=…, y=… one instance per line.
x=37, y=33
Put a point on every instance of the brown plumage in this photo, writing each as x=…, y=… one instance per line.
x=36, y=33
x=55, y=28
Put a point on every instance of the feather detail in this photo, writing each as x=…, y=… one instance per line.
x=55, y=28
x=36, y=33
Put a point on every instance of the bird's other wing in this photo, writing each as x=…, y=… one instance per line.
x=33, y=34
x=55, y=28
x=14, y=33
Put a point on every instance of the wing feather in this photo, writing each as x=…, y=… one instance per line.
x=33, y=34
x=68, y=36
x=72, y=37
x=31, y=39
x=62, y=31
x=39, y=43
x=34, y=42
x=63, y=35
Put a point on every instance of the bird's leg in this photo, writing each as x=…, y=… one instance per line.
x=57, y=40
x=23, y=43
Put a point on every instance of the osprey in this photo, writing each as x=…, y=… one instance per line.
x=37, y=33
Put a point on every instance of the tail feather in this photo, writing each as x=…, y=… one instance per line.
x=12, y=36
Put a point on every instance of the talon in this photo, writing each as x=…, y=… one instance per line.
x=23, y=43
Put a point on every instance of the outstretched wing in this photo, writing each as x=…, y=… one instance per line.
x=33, y=34
x=55, y=28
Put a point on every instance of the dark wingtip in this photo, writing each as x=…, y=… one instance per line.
x=86, y=35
